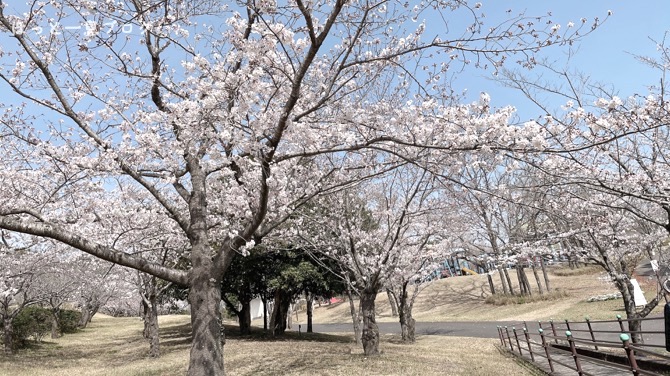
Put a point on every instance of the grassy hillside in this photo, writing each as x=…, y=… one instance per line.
x=463, y=299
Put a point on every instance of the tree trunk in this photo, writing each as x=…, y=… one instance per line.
x=206, y=356
x=8, y=337
x=244, y=318
x=519, y=278
x=544, y=273
x=279, y=317
x=265, y=312
x=370, y=335
x=146, y=312
x=491, y=286
x=502, y=280
x=85, y=317
x=392, y=303
x=355, y=317
x=509, y=282
x=524, y=279
x=310, y=311
x=55, y=327
x=152, y=328
x=537, y=278
x=407, y=322
x=627, y=293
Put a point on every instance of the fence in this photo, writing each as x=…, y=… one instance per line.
x=589, y=347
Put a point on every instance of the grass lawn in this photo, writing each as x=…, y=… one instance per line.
x=114, y=346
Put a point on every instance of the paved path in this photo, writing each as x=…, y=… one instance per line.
x=488, y=329
x=480, y=329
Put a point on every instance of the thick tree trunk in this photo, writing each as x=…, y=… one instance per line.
x=509, y=282
x=544, y=273
x=310, y=311
x=407, y=326
x=392, y=303
x=244, y=318
x=279, y=317
x=355, y=317
x=407, y=322
x=502, y=280
x=537, y=278
x=8, y=336
x=627, y=293
x=152, y=329
x=370, y=335
x=206, y=357
x=55, y=327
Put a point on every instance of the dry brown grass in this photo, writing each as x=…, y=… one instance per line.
x=464, y=299
x=114, y=346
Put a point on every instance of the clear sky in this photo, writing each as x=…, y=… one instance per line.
x=606, y=56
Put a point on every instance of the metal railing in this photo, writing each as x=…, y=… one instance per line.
x=580, y=347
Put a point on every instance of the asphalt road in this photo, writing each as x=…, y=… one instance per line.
x=482, y=329
x=488, y=329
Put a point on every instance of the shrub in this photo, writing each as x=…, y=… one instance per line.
x=68, y=320
x=33, y=322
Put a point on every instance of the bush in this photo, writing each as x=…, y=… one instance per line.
x=33, y=322
x=68, y=321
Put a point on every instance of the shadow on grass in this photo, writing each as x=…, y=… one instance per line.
x=178, y=335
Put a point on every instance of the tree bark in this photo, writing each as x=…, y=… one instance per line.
x=55, y=326
x=519, y=278
x=502, y=280
x=544, y=273
x=392, y=303
x=310, y=311
x=206, y=356
x=85, y=316
x=537, y=278
x=279, y=317
x=244, y=318
x=509, y=282
x=370, y=335
x=355, y=317
x=407, y=322
x=524, y=280
x=8, y=335
x=491, y=286
x=265, y=312
x=152, y=329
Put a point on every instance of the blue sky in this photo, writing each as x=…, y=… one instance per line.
x=606, y=56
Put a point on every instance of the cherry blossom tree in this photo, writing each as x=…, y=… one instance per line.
x=210, y=108
x=22, y=265
x=385, y=227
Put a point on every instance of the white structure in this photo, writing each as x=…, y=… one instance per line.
x=638, y=296
x=256, y=308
